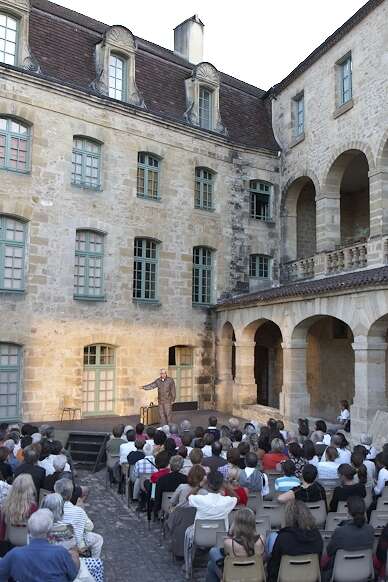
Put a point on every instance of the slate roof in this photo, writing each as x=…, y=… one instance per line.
x=349, y=281
x=63, y=41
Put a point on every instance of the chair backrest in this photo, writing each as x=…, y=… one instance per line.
x=255, y=501
x=243, y=569
x=166, y=501
x=71, y=402
x=274, y=511
x=378, y=519
x=342, y=507
x=384, y=493
x=352, y=566
x=205, y=531
x=42, y=495
x=318, y=511
x=17, y=535
x=326, y=537
x=334, y=519
x=382, y=504
x=298, y=568
x=263, y=525
x=220, y=538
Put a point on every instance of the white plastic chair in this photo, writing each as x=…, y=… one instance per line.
x=352, y=566
x=318, y=511
x=334, y=519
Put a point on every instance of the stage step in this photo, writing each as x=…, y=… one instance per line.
x=88, y=448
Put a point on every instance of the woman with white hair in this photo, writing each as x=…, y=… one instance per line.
x=62, y=534
x=21, y=501
x=366, y=440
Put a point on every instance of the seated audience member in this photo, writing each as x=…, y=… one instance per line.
x=195, y=479
x=138, y=453
x=232, y=487
x=162, y=461
x=186, y=442
x=169, y=482
x=295, y=453
x=5, y=467
x=150, y=435
x=236, y=437
x=243, y=448
x=226, y=444
x=264, y=441
x=21, y=501
x=146, y=465
x=10, y=445
x=366, y=440
x=344, y=416
x=216, y=460
x=186, y=429
x=139, y=430
x=115, y=442
x=214, y=505
x=62, y=534
x=309, y=454
x=212, y=428
x=208, y=440
x=159, y=441
x=300, y=536
x=340, y=443
x=317, y=440
x=328, y=469
x=321, y=426
x=308, y=490
x=272, y=459
x=358, y=461
x=77, y=517
x=170, y=446
x=355, y=534
x=39, y=560
x=44, y=457
x=61, y=472
x=232, y=460
x=242, y=542
x=199, y=434
x=251, y=437
x=382, y=478
x=303, y=427
x=25, y=441
x=5, y=488
x=196, y=457
x=174, y=434
x=348, y=487
x=127, y=447
x=289, y=480
x=281, y=429
x=187, y=464
x=30, y=466
x=251, y=477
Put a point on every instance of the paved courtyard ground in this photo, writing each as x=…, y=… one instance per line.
x=130, y=552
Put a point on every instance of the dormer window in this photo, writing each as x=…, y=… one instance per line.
x=116, y=77
x=8, y=39
x=205, y=108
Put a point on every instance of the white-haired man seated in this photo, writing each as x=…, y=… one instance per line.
x=39, y=560
x=77, y=517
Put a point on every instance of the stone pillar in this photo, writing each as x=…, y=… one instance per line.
x=245, y=391
x=369, y=380
x=294, y=398
x=378, y=202
x=224, y=383
x=328, y=221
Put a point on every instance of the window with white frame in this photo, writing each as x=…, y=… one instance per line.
x=10, y=374
x=8, y=39
x=259, y=266
x=204, y=182
x=88, y=268
x=260, y=200
x=299, y=115
x=14, y=145
x=205, y=108
x=117, y=73
x=202, y=275
x=86, y=163
x=147, y=176
x=345, y=69
x=145, y=269
x=12, y=251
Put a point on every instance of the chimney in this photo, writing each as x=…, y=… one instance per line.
x=188, y=40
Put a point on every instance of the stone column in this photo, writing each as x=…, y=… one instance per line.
x=369, y=380
x=245, y=391
x=378, y=202
x=328, y=221
x=294, y=398
x=224, y=383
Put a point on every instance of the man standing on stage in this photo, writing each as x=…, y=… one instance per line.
x=166, y=395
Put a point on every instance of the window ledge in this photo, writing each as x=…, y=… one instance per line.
x=86, y=187
x=149, y=198
x=12, y=291
x=297, y=139
x=258, y=278
x=269, y=221
x=154, y=302
x=343, y=108
x=13, y=171
x=204, y=209
x=201, y=305
x=87, y=298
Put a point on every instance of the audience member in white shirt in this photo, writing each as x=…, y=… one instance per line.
x=344, y=454
x=382, y=478
x=327, y=468
x=207, y=449
x=127, y=447
x=366, y=441
x=321, y=426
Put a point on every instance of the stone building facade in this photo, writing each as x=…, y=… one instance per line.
x=157, y=213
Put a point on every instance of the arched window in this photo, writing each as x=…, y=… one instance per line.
x=14, y=145
x=260, y=199
x=86, y=163
x=98, y=379
x=145, y=269
x=147, y=176
x=202, y=275
x=204, y=180
x=10, y=364
x=205, y=108
x=117, y=77
x=8, y=39
x=259, y=266
x=88, y=270
x=12, y=245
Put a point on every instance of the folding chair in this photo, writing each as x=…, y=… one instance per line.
x=205, y=535
x=263, y=525
x=274, y=511
x=352, y=566
x=378, y=519
x=17, y=535
x=342, y=507
x=326, y=537
x=165, y=508
x=318, y=511
x=255, y=501
x=220, y=538
x=334, y=519
x=384, y=493
x=377, y=535
x=298, y=568
x=382, y=504
x=243, y=569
